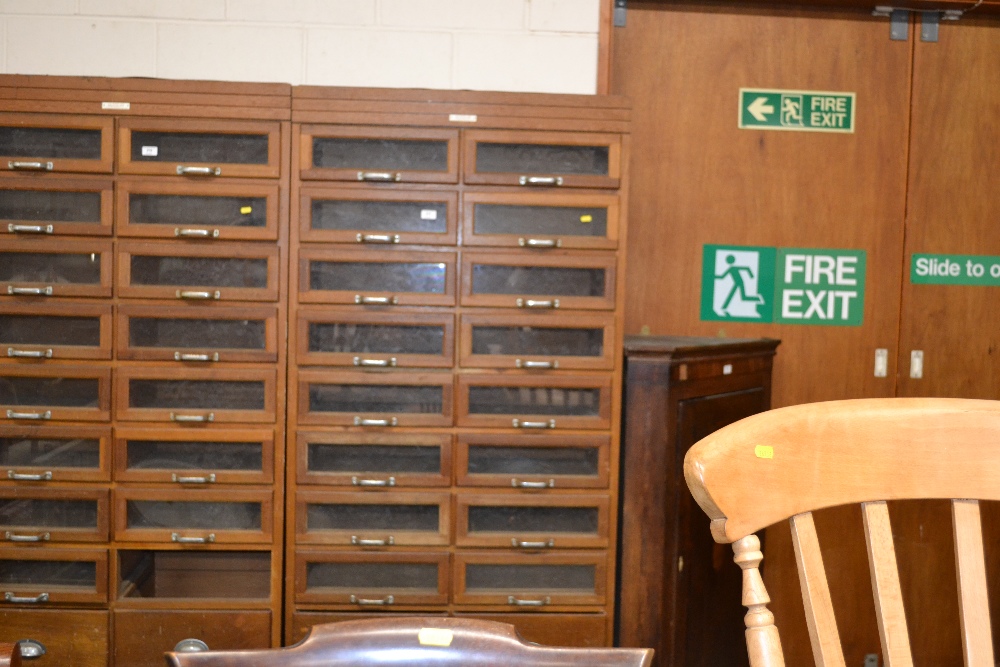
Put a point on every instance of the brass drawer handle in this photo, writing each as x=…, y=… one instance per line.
x=25, y=477
x=30, y=354
x=180, y=539
x=12, y=537
x=522, y=484
x=197, y=233
x=537, y=365
x=537, y=303
x=30, y=291
x=359, y=421
x=540, y=180
x=539, y=243
x=29, y=229
x=210, y=417
x=183, y=170
x=387, y=600
x=31, y=649
x=29, y=415
x=10, y=597
x=375, y=300
x=528, y=603
x=30, y=166
x=380, y=176
x=517, y=423
x=181, y=356
x=380, y=363
x=377, y=238
x=521, y=544
x=358, y=542
x=194, y=294
x=200, y=479
x=356, y=481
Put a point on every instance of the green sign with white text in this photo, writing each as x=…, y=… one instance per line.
x=982, y=270
x=797, y=110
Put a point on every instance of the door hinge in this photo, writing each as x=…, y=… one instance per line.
x=899, y=21
x=618, y=16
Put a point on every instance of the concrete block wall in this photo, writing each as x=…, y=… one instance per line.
x=506, y=45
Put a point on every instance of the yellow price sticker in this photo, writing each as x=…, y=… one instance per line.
x=434, y=637
x=586, y=218
x=246, y=210
x=764, y=451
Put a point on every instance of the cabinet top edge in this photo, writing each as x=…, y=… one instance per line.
x=689, y=345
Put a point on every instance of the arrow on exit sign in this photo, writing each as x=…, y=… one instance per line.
x=801, y=110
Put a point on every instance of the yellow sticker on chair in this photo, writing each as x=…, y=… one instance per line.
x=764, y=451
x=434, y=637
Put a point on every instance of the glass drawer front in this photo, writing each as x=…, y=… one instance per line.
x=50, y=142
x=374, y=461
x=532, y=581
x=374, y=278
x=543, y=158
x=196, y=394
x=199, y=147
x=520, y=522
x=541, y=222
x=46, y=393
x=371, y=579
x=37, y=142
x=560, y=279
x=490, y=519
x=207, y=336
x=384, y=155
x=56, y=454
x=373, y=519
x=210, y=458
x=538, y=280
x=540, y=159
x=78, y=207
x=206, y=213
x=67, y=331
x=572, y=402
x=531, y=462
x=536, y=400
x=381, y=400
x=36, y=515
x=214, y=271
x=192, y=514
x=350, y=216
x=34, y=267
x=46, y=576
x=538, y=342
x=192, y=517
x=238, y=575
x=373, y=340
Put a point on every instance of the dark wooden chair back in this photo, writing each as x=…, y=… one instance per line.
x=10, y=655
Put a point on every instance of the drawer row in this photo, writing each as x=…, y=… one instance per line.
x=239, y=211
x=35, y=455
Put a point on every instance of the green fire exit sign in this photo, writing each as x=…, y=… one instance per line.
x=801, y=110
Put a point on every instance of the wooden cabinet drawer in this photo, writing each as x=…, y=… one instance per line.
x=371, y=580
x=534, y=402
x=36, y=267
x=378, y=154
x=194, y=517
x=372, y=518
x=349, y=337
x=555, y=629
x=206, y=457
x=228, y=211
x=375, y=399
x=373, y=460
x=540, y=221
x=142, y=637
x=199, y=148
x=191, y=396
x=58, y=637
x=372, y=277
x=56, y=206
x=227, y=272
x=533, y=461
x=193, y=578
x=54, y=331
x=537, y=341
x=32, y=455
x=43, y=142
x=555, y=279
x=53, y=576
x=531, y=522
x=558, y=159
x=527, y=582
x=54, y=393
x=378, y=217
x=197, y=334
x=35, y=515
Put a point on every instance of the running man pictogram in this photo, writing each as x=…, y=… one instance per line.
x=735, y=273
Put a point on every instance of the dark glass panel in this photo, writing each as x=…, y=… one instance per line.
x=375, y=398
x=537, y=280
x=380, y=154
x=372, y=517
x=55, y=391
x=211, y=271
x=197, y=394
x=195, y=211
x=375, y=338
x=196, y=515
x=388, y=216
x=51, y=268
x=541, y=220
x=50, y=206
x=423, y=277
x=387, y=577
x=194, y=455
x=542, y=341
x=50, y=330
x=499, y=460
x=374, y=458
x=541, y=519
x=50, y=142
x=488, y=577
x=183, y=332
x=36, y=513
x=49, y=573
x=199, y=147
x=534, y=401
x=35, y=452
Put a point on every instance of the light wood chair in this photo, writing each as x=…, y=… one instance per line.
x=786, y=463
x=416, y=641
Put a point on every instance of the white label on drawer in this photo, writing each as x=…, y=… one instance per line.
x=727, y=369
x=428, y=214
x=463, y=117
x=117, y=106
x=434, y=637
x=150, y=151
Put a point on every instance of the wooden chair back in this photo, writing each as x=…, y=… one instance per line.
x=786, y=463
x=412, y=642
x=10, y=655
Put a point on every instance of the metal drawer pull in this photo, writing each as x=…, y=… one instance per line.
x=537, y=303
x=197, y=233
x=180, y=539
x=25, y=477
x=356, y=481
x=358, y=361
x=535, y=364
x=29, y=415
x=12, y=537
x=522, y=484
x=31, y=648
x=10, y=597
x=181, y=356
x=520, y=544
x=540, y=180
x=539, y=243
x=201, y=479
x=382, y=176
x=183, y=170
x=528, y=603
x=174, y=417
x=30, y=354
x=375, y=300
x=190, y=646
x=190, y=294
x=35, y=166
x=30, y=291
x=358, y=421
x=517, y=423
x=29, y=229
x=388, y=599
x=377, y=238
x=387, y=542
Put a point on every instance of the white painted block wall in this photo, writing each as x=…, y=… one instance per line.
x=507, y=45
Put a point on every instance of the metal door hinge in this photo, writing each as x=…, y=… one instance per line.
x=899, y=21
x=618, y=16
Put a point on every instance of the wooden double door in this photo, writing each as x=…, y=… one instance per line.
x=917, y=176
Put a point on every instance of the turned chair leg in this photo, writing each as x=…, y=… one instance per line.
x=763, y=643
